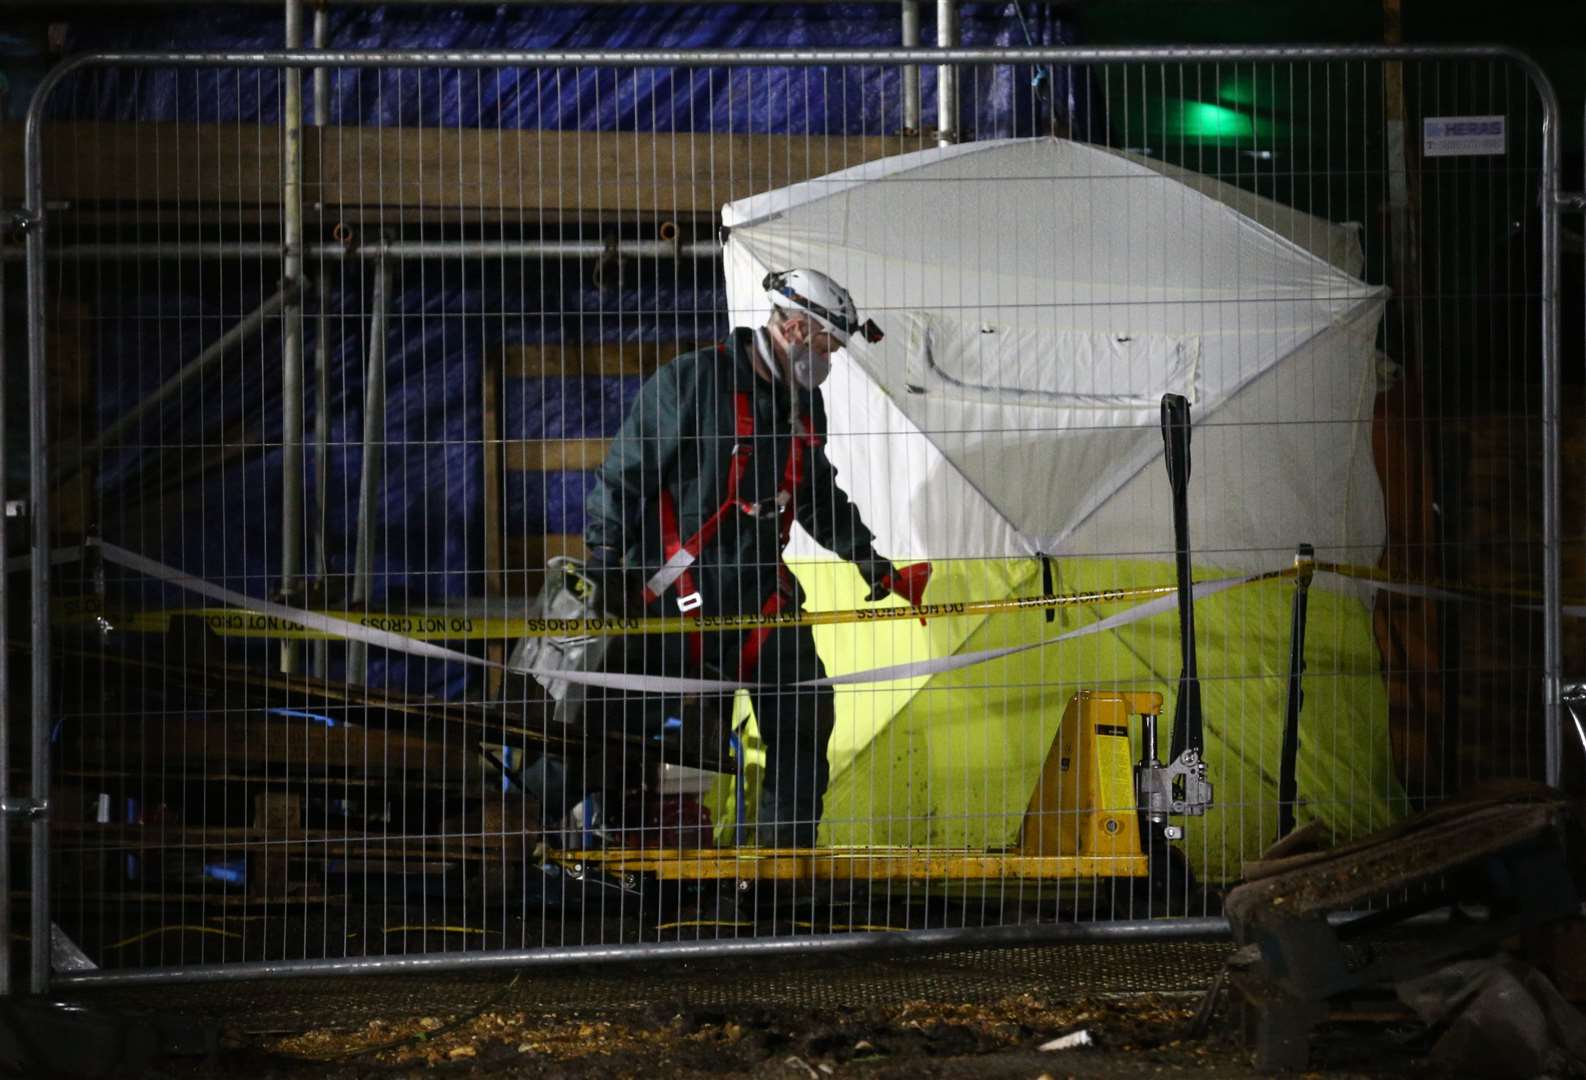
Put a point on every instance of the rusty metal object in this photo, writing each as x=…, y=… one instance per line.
x=1508, y=856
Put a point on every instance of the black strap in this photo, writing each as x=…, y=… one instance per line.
x=1288, y=761
x=1187, y=723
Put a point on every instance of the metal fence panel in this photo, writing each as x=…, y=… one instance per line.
x=7, y=716
x=323, y=389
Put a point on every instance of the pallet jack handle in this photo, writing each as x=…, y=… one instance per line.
x=1288, y=763
x=1179, y=787
x=1188, y=727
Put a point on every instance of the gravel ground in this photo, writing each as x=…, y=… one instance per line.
x=966, y=1013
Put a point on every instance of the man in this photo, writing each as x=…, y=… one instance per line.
x=720, y=453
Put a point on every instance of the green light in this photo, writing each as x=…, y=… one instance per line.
x=1200, y=119
x=1237, y=90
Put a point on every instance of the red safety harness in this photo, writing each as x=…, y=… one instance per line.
x=681, y=554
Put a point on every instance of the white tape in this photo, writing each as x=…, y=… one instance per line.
x=387, y=640
x=917, y=668
x=57, y=556
x=383, y=639
x=1424, y=592
x=962, y=660
x=664, y=684
x=1432, y=592
x=1580, y=729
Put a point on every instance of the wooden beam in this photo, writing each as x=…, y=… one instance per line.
x=239, y=741
x=534, y=551
x=549, y=173
x=526, y=557
x=230, y=685
x=146, y=163
x=580, y=359
x=490, y=422
x=73, y=401
x=120, y=901
x=550, y=455
x=294, y=843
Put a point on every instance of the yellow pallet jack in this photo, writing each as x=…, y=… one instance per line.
x=1098, y=813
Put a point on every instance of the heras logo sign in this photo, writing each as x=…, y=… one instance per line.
x=1458, y=136
x=1473, y=127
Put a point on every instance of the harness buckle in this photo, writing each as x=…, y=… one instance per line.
x=691, y=602
x=767, y=508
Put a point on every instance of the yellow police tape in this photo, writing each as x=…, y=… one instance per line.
x=444, y=626
x=239, y=622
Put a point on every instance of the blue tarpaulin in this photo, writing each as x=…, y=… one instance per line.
x=997, y=102
x=445, y=318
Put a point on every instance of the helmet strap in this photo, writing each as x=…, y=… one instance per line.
x=765, y=349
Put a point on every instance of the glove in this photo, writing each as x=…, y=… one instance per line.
x=618, y=589
x=884, y=578
x=877, y=572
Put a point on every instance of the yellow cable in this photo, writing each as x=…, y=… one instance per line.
x=701, y=922
x=184, y=927
x=439, y=929
x=868, y=927
x=878, y=927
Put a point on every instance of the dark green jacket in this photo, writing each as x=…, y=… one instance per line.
x=678, y=436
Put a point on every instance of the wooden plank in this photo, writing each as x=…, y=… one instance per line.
x=491, y=435
x=170, y=773
x=490, y=424
x=122, y=900
x=232, y=164
x=526, y=557
x=277, y=812
x=589, y=359
x=552, y=173
x=627, y=174
x=1404, y=206
x=532, y=552
x=229, y=684
x=73, y=400
x=212, y=742
x=549, y=455
x=299, y=844
x=1493, y=463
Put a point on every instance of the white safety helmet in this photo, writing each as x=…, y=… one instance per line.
x=818, y=296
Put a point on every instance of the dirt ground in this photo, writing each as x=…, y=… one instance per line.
x=976, y=1013
x=1130, y=1036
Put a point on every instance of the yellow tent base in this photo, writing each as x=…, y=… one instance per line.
x=924, y=865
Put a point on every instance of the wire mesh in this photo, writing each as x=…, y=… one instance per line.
x=369, y=414
x=1055, y=972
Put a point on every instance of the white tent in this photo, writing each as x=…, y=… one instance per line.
x=1038, y=297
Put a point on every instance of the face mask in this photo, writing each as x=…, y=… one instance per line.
x=809, y=369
